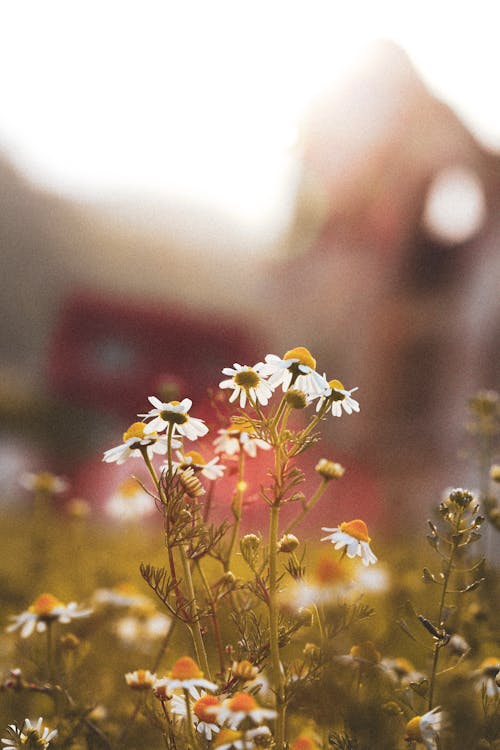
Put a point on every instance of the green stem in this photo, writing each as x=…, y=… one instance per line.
x=307, y=507
x=274, y=629
x=215, y=621
x=189, y=719
x=236, y=508
x=50, y=652
x=195, y=627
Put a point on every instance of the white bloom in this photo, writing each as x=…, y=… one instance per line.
x=426, y=728
x=46, y=609
x=130, y=502
x=340, y=398
x=123, y=595
x=142, y=631
x=204, y=711
x=136, y=438
x=187, y=675
x=239, y=437
x=44, y=481
x=140, y=679
x=241, y=706
x=247, y=382
x=297, y=368
x=174, y=413
x=353, y=536
x=30, y=735
x=486, y=676
x=210, y=469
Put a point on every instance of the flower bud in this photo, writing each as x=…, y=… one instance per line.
x=288, y=543
x=329, y=469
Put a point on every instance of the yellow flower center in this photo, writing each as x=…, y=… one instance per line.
x=196, y=458
x=403, y=666
x=336, y=387
x=204, y=708
x=366, y=651
x=413, y=729
x=242, y=702
x=490, y=666
x=247, y=379
x=185, y=668
x=174, y=417
x=303, y=355
x=226, y=737
x=239, y=427
x=329, y=571
x=44, y=482
x=136, y=430
x=129, y=487
x=336, y=384
x=357, y=529
x=45, y=605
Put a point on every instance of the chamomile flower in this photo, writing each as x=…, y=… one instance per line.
x=135, y=439
x=187, y=675
x=426, y=729
x=353, y=537
x=140, y=679
x=241, y=706
x=338, y=398
x=247, y=382
x=232, y=739
x=31, y=735
x=174, y=413
x=129, y=502
x=238, y=437
x=121, y=595
x=210, y=469
x=44, y=482
x=45, y=610
x=486, y=676
x=297, y=368
x=204, y=711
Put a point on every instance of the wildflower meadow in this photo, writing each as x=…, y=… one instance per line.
x=176, y=625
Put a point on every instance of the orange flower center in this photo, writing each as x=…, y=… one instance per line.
x=242, y=702
x=226, y=737
x=357, y=529
x=329, y=571
x=366, y=651
x=136, y=430
x=336, y=384
x=45, y=605
x=129, y=487
x=303, y=355
x=303, y=743
x=205, y=708
x=185, y=668
x=413, y=729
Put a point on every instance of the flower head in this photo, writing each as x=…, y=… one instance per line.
x=353, y=536
x=232, y=739
x=44, y=482
x=186, y=674
x=130, y=502
x=297, y=368
x=486, y=676
x=239, y=436
x=246, y=382
x=204, y=711
x=140, y=679
x=31, y=735
x=174, y=414
x=241, y=706
x=135, y=439
x=45, y=609
x=193, y=459
x=338, y=398
x=426, y=728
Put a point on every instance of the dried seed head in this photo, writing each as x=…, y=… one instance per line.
x=296, y=399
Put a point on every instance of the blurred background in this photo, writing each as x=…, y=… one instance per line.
x=187, y=185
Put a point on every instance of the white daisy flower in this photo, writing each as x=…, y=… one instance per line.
x=238, y=437
x=130, y=502
x=246, y=382
x=140, y=679
x=340, y=398
x=122, y=595
x=353, y=536
x=174, y=413
x=136, y=438
x=142, y=631
x=486, y=676
x=30, y=735
x=232, y=739
x=44, y=610
x=204, y=712
x=241, y=706
x=297, y=368
x=45, y=482
x=187, y=675
x=426, y=728
x=210, y=469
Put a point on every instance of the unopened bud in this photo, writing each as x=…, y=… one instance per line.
x=249, y=547
x=461, y=498
x=288, y=543
x=329, y=469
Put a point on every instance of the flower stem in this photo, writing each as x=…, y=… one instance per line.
x=274, y=629
x=195, y=627
x=306, y=507
x=236, y=508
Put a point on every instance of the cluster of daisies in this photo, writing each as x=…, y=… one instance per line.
x=168, y=423
x=235, y=721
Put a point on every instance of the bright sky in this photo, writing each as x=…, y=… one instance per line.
x=202, y=100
